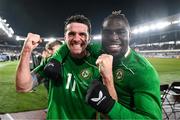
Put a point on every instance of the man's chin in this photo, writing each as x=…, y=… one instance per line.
x=114, y=51
x=116, y=54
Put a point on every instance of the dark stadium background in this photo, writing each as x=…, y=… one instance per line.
x=155, y=34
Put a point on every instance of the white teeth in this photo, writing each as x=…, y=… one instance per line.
x=114, y=45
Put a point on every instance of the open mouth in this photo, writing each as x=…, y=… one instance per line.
x=76, y=46
x=114, y=47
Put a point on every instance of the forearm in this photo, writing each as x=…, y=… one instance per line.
x=104, y=62
x=23, y=75
x=148, y=108
x=110, y=86
x=120, y=112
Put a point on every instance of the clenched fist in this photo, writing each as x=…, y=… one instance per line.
x=31, y=42
x=104, y=62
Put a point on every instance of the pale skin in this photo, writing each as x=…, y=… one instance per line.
x=23, y=75
x=104, y=62
x=76, y=37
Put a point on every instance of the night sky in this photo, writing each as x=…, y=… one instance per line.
x=46, y=17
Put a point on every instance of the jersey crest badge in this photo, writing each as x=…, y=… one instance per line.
x=85, y=74
x=119, y=74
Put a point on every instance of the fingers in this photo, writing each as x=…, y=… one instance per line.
x=99, y=63
x=35, y=38
x=104, y=60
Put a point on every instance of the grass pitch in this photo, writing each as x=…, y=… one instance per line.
x=167, y=68
x=11, y=101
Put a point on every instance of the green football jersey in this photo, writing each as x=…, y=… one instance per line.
x=66, y=98
x=138, y=88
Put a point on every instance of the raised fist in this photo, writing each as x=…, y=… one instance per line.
x=31, y=42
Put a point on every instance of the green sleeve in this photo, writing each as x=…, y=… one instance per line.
x=39, y=71
x=146, y=95
x=59, y=55
x=94, y=48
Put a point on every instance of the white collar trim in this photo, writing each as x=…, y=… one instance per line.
x=128, y=52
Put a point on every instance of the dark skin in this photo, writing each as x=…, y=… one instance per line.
x=115, y=43
x=115, y=37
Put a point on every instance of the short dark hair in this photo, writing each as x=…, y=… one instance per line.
x=51, y=44
x=117, y=15
x=79, y=19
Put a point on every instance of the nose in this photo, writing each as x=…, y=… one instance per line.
x=77, y=36
x=115, y=36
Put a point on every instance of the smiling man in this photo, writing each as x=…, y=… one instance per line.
x=69, y=70
x=131, y=86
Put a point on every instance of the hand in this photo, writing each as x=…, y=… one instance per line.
x=98, y=97
x=104, y=62
x=32, y=41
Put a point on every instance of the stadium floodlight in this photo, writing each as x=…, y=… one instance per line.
x=19, y=38
x=171, y=42
x=143, y=29
x=49, y=39
x=10, y=35
x=3, y=28
x=7, y=25
x=97, y=37
x=11, y=30
x=177, y=42
x=161, y=25
x=135, y=31
x=4, y=20
x=153, y=26
x=175, y=22
x=1, y=25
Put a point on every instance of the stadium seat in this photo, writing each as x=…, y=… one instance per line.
x=164, y=92
x=174, y=91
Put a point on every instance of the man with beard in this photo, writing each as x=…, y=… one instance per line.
x=130, y=88
x=69, y=70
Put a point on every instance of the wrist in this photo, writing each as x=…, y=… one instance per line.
x=109, y=83
x=108, y=80
x=26, y=51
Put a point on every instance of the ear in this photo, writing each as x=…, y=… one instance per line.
x=65, y=38
x=130, y=34
x=89, y=40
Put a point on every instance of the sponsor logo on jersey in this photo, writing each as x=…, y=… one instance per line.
x=119, y=74
x=99, y=99
x=50, y=64
x=85, y=74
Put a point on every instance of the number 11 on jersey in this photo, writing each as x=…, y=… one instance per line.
x=69, y=79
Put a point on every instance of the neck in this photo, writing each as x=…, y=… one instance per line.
x=117, y=58
x=81, y=55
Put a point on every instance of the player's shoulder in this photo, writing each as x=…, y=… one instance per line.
x=141, y=65
x=94, y=48
x=61, y=53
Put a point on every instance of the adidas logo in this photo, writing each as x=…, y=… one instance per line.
x=99, y=99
